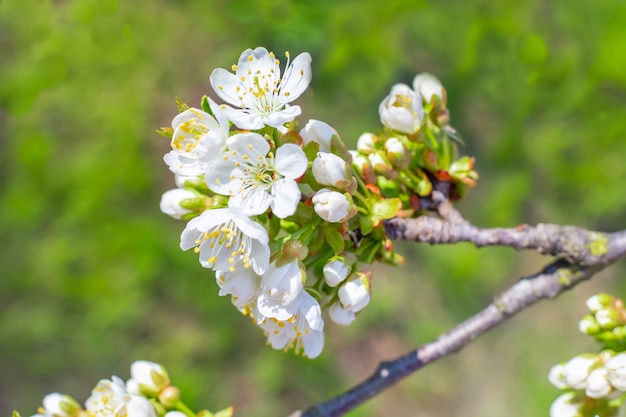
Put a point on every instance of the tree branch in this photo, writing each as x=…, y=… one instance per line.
x=581, y=253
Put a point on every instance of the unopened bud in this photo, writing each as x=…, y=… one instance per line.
x=355, y=294
x=171, y=201
x=556, y=376
x=150, y=377
x=599, y=302
x=577, y=370
x=169, y=396
x=598, y=384
x=330, y=169
x=608, y=319
x=382, y=165
x=340, y=315
x=59, y=405
x=397, y=153
x=589, y=325
x=616, y=367
x=567, y=405
x=319, y=132
x=332, y=206
x=364, y=169
x=430, y=89
x=336, y=271
x=367, y=143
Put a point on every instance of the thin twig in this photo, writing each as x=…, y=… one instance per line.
x=555, y=278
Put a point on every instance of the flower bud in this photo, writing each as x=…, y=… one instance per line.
x=600, y=302
x=431, y=89
x=402, y=110
x=566, y=405
x=169, y=396
x=150, y=377
x=332, y=206
x=320, y=133
x=330, y=169
x=608, y=319
x=589, y=325
x=355, y=294
x=382, y=165
x=556, y=377
x=175, y=414
x=576, y=371
x=59, y=405
x=616, y=367
x=340, y=315
x=336, y=271
x=397, y=153
x=598, y=384
x=364, y=169
x=367, y=143
x=171, y=199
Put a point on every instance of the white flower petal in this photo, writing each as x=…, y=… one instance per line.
x=297, y=77
x=285, y=198
x=291, y=162
x=251, y=201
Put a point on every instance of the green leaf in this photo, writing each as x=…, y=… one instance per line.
x=334, y=239
x=366, y=224
x=387, y=208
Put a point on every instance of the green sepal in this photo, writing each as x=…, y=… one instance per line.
x=181, y=105
x=188, y=216
x=15, y=414
x=310, y=150
x=274, y=226
x=168, y=132
x=334, y=239
x=366, y=224
x=387, y=208
x=195, y=204
x=204, y=104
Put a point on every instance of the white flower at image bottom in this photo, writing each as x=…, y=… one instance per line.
x=110, y=399
x=227, y=240
x=260, y=93
x=255, y=179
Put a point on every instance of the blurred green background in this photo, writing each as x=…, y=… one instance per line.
x=91, y=276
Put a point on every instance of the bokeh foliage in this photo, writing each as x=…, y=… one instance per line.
x=91, y=276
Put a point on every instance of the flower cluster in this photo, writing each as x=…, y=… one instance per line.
x=148, y=393
x=287, y=218
x=595, y=384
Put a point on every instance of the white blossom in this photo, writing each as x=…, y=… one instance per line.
x=226, y=240
x=303, y=332
x=566, y=406
x=330, y=169
x=598, y=384
x=577, y=370
x=429, y=86
x=335, y=271
x=110, y=399
x=259, y=92
x=556, y=376
x=402, y=109
x=254, y=179
x=319, y=132
x=196, y=140
x=340, y=315
x=332, y=206
x=170, y=202
x=243, y=286
x=616, y=367
x=280, y=288
x=58, y=405
x=367, y=143
x=355, y=294
x=150, y=377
